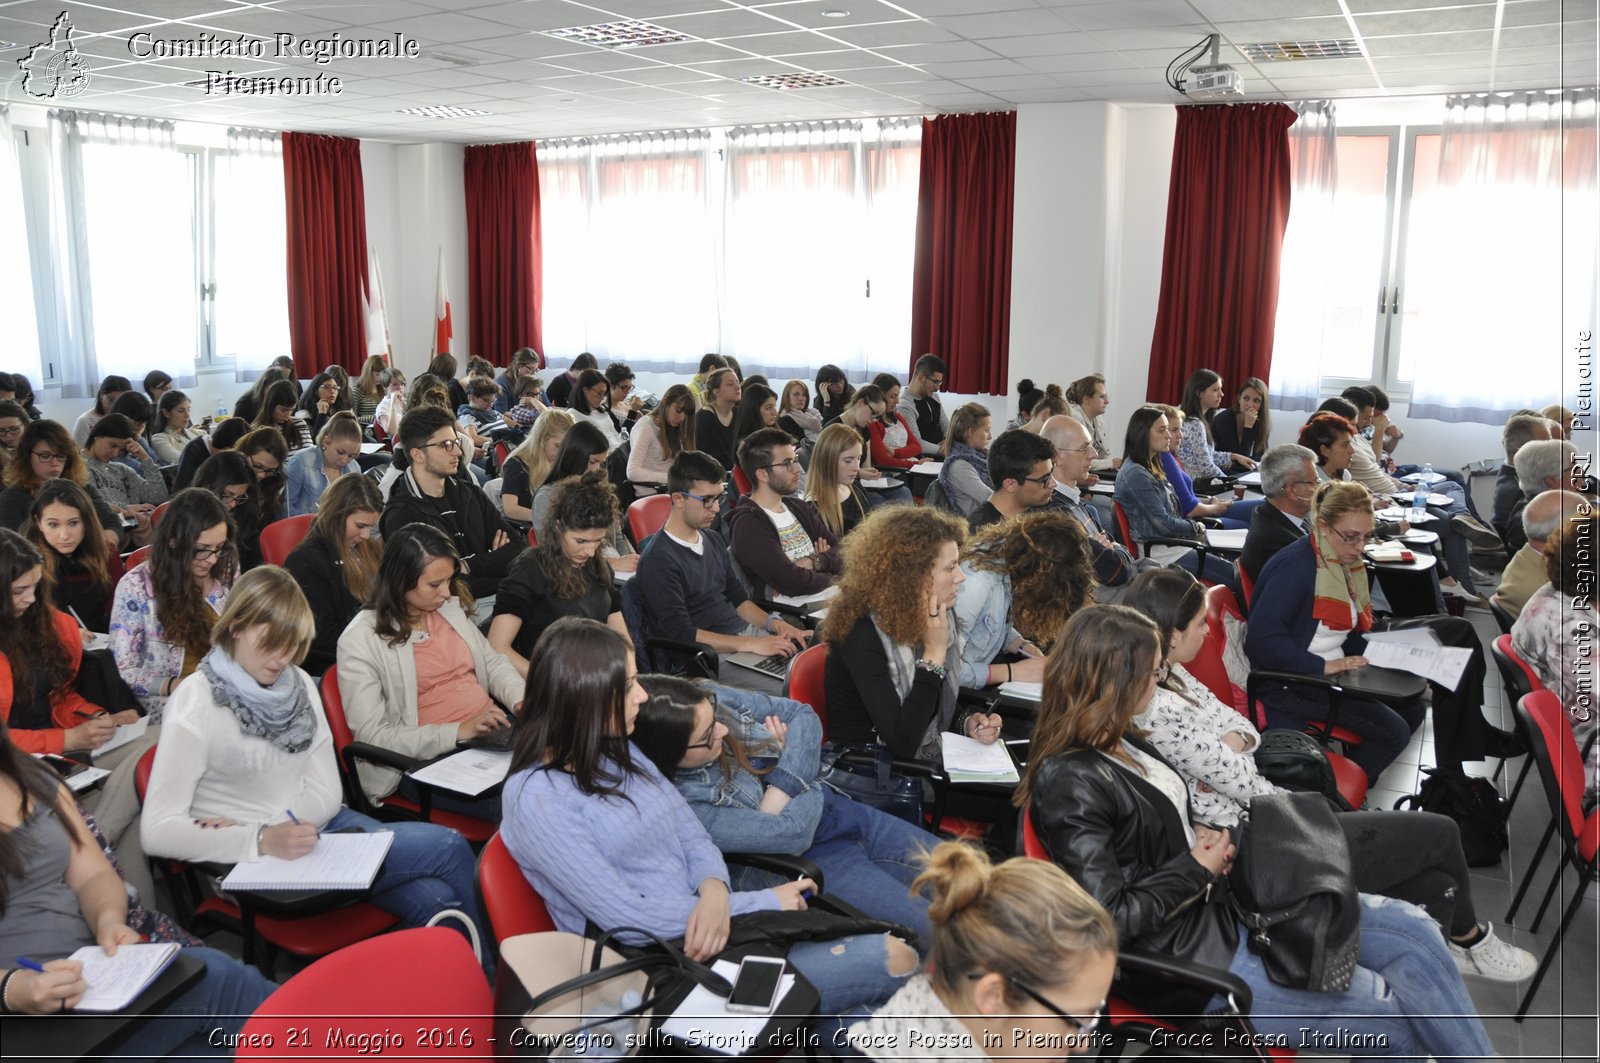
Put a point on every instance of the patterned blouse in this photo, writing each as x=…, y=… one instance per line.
x=1187, y=730
x=1195, y=453
x=1556, y=638
x=138, y=641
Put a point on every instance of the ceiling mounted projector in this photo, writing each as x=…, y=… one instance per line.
x=1214, y=81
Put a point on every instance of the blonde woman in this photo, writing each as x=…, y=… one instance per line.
x=831, y=480
x=311, y=470
x=527, y=467
x=795, y=413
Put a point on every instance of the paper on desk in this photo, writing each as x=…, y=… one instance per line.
x=1226, y=538
x=619, y=576
x=827, y=594
x=114, y=981
x=969, y=760
x=1432, y=499
x=1249, y=479
x=371, y=448
x=336, y=862
x=470, y=772
x=880, y=482
x=704, y=1019
x=1440, y=664
x=125, y=733
x=1397, y=513
x=1392, y=552
x=928, y=468
x=98, y=640
x=1417, y=477
x=1026, y=691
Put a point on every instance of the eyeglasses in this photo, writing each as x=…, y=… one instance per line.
x=1042, y=481
x=46, y=457
x=1301, y=483
x=206, y=553
x=11, y=430
x=263, y=470
x=792, y=463
x=1083, y=1024
x=711, y=732
x=1353, y=538
x=708, y=501
x=1087, y=448
x=233, y=501
x=444, y=444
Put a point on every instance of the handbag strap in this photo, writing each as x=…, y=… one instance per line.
x=696, y=970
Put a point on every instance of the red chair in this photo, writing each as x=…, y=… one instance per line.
x=1247, y=585
x=279, y=538
x=1210, y=669
x=424, y=985
x=306, y=936
x=137, y=557
x=1561, y=768
x=350, y=753
x=502, y=451
x=155, y=518
x=741, y=482
x=648, y=515
x=1136, y=549
x=1129, y=1023
x=533, y=537
x=1519, y=680
x=509, y=900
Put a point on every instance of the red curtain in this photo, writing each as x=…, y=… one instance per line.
x=1226, y=210
x=961, y=287
x=505, y=287
x=326, y=216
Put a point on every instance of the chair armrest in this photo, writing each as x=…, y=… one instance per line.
x=1324, y=683
x=1217, y=981
x=388, y=758
x=702, y=658
x=792, y=867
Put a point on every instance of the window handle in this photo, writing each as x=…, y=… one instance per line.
x=1383, y=298
x=1394, y=307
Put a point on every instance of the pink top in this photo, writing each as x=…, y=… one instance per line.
x=447, y=683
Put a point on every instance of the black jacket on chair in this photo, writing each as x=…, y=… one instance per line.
x=1270, y=531
x=1121, y=839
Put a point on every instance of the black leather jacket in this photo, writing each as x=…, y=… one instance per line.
x=1120, y=838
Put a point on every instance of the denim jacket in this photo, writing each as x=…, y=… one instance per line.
x=1151, y=505
x=983, y=611
x=728, y=804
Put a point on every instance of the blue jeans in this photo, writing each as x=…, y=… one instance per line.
x=886, y=496
x=224, y=997
x=1457, y=551
x=1455, y=476
x=1216, y=570
x=485, y=807
x=1385, y=730
x=1406, y=991
x=866, y=857
x=429, y=869
x=850, y=974
x=1240, y=512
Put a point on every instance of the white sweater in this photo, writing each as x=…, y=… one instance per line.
x=206, y=767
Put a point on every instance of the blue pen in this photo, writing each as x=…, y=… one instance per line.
x=292, y=817
x=32, y=965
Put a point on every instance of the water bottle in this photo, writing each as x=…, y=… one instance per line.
x=1419, y=505
x=1427, y=476
x=222, y=411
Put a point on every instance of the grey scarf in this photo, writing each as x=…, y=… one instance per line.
x=281, y=713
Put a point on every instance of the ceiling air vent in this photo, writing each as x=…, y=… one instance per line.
x=629, y=33
x=793, y=81
x=1279, y=51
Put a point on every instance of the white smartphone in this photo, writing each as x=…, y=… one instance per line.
x=755, y=989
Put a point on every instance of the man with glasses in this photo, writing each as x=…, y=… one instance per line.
x=12, y=421
x=430, y=492
x=688, y=589
x=1289, y=480
x=1114, y=567
x=779, y=538
x=1021, y=467
x=920, y=405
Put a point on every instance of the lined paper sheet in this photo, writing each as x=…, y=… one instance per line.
x=826, y=595
x=969, y=760
x=1419, y=652
x=126, y=732
x=470, y=772
x=115, y=981
x=339, y=862
x=1029, y=691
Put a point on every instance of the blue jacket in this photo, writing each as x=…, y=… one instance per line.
x=1281, y=626
x=307, y=480
x=729, y=804
x=1150, y=506
x=983, y=612
x=1182, y=484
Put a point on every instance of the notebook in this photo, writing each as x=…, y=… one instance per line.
x=339, y=862
x=115, y=981
x=124, y=734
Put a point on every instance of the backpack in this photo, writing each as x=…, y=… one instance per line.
x=1473, y=803
x=1296, y=761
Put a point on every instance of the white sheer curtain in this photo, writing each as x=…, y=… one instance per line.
x=16, y=277
x=251, y=304
x=1501, y=261
x=628, y=249
x=1306, y=268
x=123, y=233
x=894, y=170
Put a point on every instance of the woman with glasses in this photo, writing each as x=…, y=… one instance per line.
x=267, y=453
x=590, y=402
x=583, y=450
x=567, y=574
x=1308, y=614
x=1114, y=815
x=46, y=452
x=81, y=570
x=1020, y=962
x=323, y=398
x=747, y=763
x=415, y=674
x=333, y=456
x=164, y=608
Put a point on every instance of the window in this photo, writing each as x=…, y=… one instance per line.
x=16, y=276
x=249, y=303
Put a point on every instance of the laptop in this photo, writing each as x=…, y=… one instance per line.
x=776, y=666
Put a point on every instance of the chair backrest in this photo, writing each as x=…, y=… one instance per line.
x=279, y=538
x=647, y=515
x=511, y=903
x=1502, y=615
x=1125, y=529
x=1208, y=666
x=806, y=681
x=934, y=496
x=379, y=984
x=138, y=557
x=1247, y=583
x=533, y=536
x=502, y=451
x=155, y=518
x=1555, y=751
x=741, y=482
x=1032, y=847
x=141, y=773
x=1519, y=677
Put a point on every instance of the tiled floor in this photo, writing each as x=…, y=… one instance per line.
x=1563, y=1020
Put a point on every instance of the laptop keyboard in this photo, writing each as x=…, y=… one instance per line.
x=777, y=665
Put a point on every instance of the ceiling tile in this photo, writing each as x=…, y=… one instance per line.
x=1439, y=21
x=1005, y=24
x=860, y=12
x=735, y=22
x=889, y=34
x=549, y=14
x=646, y=10
x=1056, y=64
x=848, y=59
x=1044, y=44
x=1175, y=38
x=787, y=42
x=1128, y=14
x=691, y=52
x=1289, y=29
x=1247, y=10
x=1311, y=69
x=934, y=8
x=981, y=68
x=516, y=45
x=602, y=60
x=948, y=52
x=1469, y=41
x=1055, y=95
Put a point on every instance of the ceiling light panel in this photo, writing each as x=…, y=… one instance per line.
x=628, y=33
x=1281, y=51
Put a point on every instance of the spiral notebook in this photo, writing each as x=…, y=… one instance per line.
x=116, y=981
x=339, y=862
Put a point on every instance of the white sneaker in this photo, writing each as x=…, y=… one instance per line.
x=1452, y=589
x=1493, y=958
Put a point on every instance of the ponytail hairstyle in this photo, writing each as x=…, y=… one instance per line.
x=552, y=422
x=1027, y=397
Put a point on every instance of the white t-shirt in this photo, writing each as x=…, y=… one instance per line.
x=791, y=533
x=698, y=546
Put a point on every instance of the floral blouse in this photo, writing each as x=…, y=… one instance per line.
x=1548, y=634
x=138, y=642
x=1195, y=453
x=1187, y=730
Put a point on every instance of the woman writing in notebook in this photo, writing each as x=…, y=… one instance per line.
x=246, y=768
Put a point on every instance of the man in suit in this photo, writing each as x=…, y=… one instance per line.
x=1522, y=428
x=1289, y=480
x=1114, y=567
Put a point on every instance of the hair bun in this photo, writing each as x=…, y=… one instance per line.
x=957, y=876
x=1053, y=390
x=1024, y=386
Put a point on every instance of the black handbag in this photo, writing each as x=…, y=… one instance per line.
x=865, y=773
x=1296, y=761
x=1293, y=890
